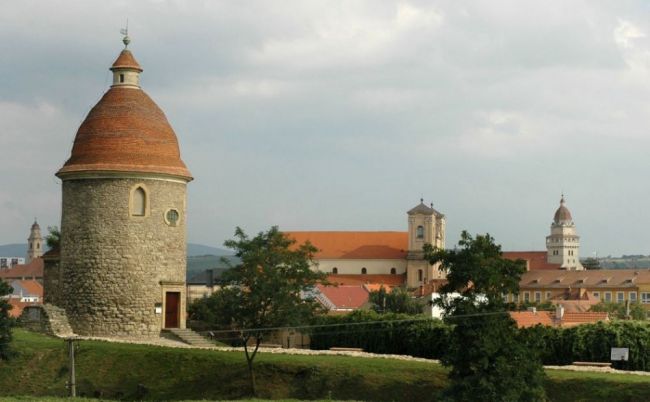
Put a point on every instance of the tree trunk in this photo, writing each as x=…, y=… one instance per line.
x=249, y=361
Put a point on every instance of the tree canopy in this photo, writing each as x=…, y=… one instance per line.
x=5, y=321
x=488, y=361
x=266, y=290
x=397, y=300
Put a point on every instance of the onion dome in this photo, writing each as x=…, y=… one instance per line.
x=562, y=215
x=126, y=132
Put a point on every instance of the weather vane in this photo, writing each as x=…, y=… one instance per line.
x=125, y=31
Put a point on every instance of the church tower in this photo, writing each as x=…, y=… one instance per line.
x=34, y=243
x=426, y=226
x=563, y=244
x=123, y=223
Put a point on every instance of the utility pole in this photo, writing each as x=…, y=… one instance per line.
x=72, y=383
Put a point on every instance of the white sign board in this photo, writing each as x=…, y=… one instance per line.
x=620, y=354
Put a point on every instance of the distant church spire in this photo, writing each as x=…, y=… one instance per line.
x=34, y=242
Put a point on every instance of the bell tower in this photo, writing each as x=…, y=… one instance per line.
x=34, y=243
x=426, y=226
x=563, y=244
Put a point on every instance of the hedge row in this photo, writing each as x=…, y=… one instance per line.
x=592, y=342
x=428, y=338
x=382, y=333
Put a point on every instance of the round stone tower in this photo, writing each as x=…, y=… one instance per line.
x=123, y=233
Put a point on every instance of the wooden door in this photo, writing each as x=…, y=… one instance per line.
x=172, y=309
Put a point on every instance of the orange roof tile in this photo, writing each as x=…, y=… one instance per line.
x=32, y=287
x=535, y=260
x=526, y=319
x=355, y=245
x=600, y=278
x=387, y=280
x=32, y=270
x=571, y=319
x=345, y=297
x=126, y=60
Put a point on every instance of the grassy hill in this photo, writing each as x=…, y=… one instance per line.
x=123, y=371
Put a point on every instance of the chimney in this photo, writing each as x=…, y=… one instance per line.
x=532, y=310
x=559, y=312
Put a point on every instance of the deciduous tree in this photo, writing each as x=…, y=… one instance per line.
x=266, y=290
x=5, y=321
x=488, y=361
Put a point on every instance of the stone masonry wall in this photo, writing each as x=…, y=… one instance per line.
x=112, y=263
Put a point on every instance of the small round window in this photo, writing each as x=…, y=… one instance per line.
x=171, y=217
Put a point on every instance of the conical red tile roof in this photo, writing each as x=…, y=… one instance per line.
x=126, y=132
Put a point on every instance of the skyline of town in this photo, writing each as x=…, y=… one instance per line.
x=285, y=122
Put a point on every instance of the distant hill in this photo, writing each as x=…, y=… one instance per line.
x=194, y=249
x=13, y=250
x=19, y=250
x=626, y=262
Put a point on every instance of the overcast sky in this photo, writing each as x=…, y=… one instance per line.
x=340, y=115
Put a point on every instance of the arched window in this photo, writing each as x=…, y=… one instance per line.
x=420, y=275
x=393, y=271
x=38, y=245
x=364, y=271
x=139, y=202
x=335, y=270
x=420, y=232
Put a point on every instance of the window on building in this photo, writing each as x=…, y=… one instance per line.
x=596, y=295
x=632, y=296
x=515, y=298
x=364, y=271
x=139, y=202
x=335, y=270
x=420, y=232
x=608, y=297
x=645, y=297
x=620, y=297
x=548, y=295
x=420, y=275
x=526, y=297
x=393, y=271
x=538, y=297
x=121, y=78
x=505, y=298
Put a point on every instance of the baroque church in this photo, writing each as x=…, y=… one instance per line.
x=121, y=267
x=387, y=257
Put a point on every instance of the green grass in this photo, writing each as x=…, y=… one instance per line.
x=123, y=371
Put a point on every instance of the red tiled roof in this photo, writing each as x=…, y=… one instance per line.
x=126, y=60
x=53, y=253
x=355, y=245
x=32, y=270
x=576, y=306
x=126, y=132
x=598, y=278
x=526, y=319
x=388, y=280
x=571, y=319
x=535, y=260
x=345, y=297
x=32, y=287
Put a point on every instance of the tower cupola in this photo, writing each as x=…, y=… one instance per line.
x=126, y=70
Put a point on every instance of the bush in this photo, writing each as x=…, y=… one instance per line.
x=591, y=342
x=388, y=333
